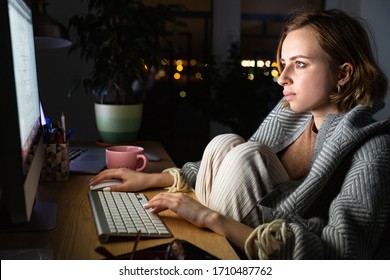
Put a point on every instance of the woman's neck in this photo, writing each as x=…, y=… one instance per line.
x=319, y=119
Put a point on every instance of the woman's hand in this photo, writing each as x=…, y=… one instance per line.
x=182, y=204
x=132, y=181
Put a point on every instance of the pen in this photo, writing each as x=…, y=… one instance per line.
x=70, y=132
x=63, y=127
x=46, y=134
x=47, y=120
x=135, y=245
x=60, y=139
x=53, y=135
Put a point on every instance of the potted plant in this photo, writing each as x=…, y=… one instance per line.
x=124, y=39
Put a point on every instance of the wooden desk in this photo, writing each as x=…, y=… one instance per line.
x=75, y=236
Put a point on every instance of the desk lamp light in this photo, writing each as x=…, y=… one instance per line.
x=48, y=33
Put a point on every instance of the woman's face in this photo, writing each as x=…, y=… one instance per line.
x=307, y=78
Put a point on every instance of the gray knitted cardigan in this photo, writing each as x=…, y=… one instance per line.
x=341, y=209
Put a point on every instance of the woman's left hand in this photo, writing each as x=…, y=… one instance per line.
x=183, y=205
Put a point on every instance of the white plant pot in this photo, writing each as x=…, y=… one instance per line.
x=118, y=123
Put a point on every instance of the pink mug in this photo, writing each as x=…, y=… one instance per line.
x=131, y=157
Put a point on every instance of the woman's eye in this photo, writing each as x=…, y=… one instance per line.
x=300, y=64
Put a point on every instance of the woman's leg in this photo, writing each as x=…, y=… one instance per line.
x=212, y=158
x=237, y=180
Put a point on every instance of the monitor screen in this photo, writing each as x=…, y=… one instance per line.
x=21, y=143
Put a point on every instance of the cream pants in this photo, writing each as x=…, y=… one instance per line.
x=235, y=175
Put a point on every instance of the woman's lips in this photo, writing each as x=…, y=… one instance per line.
x=289, y=95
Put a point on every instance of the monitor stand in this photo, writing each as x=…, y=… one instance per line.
x=43, y=217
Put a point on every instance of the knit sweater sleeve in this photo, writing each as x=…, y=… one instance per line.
x=189, y=171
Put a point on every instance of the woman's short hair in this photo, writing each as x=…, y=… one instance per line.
x=344, y=39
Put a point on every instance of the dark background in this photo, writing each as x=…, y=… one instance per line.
x=182, y=114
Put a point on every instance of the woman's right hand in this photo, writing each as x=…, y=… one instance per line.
x=132, y=181
x=184, y=206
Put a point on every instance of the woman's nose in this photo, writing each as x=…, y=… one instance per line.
x=284, y=78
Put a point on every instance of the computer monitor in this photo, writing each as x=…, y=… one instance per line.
x=21, y=141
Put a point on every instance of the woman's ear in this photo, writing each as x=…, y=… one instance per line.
x=345, y=74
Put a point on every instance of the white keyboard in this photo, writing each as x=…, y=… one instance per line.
x=123, y=214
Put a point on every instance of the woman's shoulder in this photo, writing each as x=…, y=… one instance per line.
x=356, y=124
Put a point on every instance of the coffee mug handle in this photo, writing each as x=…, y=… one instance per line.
x=144, y=160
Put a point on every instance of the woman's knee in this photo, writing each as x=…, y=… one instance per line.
x=247, y=150
x=223, y=143
x=227, y=139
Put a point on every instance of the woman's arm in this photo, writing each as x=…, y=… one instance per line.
x=236, y=232
x=133, y=180
x=138, y=181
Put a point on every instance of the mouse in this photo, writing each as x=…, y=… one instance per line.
x=104, y=184
x=152, y=157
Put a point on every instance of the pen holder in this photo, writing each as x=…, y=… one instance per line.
x=56, y=164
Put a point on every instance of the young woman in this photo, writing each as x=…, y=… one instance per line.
x=313, y=181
